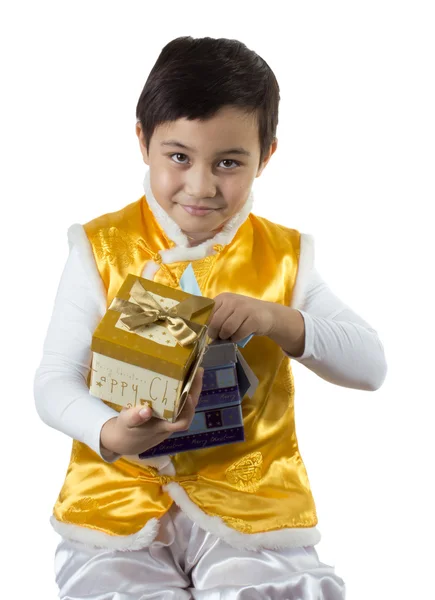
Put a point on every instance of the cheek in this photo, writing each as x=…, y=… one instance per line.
x=236, y=195
x=164, y=182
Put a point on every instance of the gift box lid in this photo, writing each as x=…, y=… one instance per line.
x=219, y=352
x=171, y=359
x=222, y=353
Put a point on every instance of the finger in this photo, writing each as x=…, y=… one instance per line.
x=231, y=325
x=217, y=304
x=245, y=329
x=220, y=316
x=136, y=416
x=215, y=322
x=185, y=419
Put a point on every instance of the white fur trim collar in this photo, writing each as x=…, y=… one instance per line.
x=272, y=540
x=182, y=251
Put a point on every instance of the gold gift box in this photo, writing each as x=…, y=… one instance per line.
x=149, y=364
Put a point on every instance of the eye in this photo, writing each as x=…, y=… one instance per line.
x=179, y=158
x=229, y=164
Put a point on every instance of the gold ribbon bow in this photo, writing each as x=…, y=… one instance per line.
x=142, y=310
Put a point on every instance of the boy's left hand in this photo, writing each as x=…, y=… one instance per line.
x=235, y=316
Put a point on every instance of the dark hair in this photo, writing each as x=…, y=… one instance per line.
x=194, y=78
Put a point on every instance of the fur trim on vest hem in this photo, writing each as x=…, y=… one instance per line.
x=91, y=537
x=272, y=540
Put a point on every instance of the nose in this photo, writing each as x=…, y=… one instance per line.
x=200, y=183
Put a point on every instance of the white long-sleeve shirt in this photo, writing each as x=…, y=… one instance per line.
x=340, y=347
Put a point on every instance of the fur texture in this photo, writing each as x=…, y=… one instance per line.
x=142, y=539
x=284, y=538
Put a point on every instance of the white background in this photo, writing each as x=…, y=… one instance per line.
x=355, y=168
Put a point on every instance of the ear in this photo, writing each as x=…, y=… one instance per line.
x=142, y=143
x=272, y=150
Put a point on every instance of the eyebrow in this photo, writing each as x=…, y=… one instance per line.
x=239, y=150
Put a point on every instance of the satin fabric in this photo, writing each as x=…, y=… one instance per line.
x=257, y=486
x=185, y=562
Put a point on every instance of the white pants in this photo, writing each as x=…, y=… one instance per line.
x=185, y=562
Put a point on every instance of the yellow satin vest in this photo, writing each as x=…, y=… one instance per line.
x=256, y=486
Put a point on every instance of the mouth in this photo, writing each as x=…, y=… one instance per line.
x=198, y=211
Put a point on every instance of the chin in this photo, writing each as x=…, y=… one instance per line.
x=200, y=228
x=194, y=224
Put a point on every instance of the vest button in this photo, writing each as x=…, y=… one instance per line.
x=218, y=247
x=157, y=258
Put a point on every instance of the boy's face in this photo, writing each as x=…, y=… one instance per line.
x=201, y=172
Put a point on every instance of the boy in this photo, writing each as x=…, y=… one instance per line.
x=171, y=527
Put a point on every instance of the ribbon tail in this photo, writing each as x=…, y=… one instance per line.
x=125, y=307
x=181, y=332
x=133, y=322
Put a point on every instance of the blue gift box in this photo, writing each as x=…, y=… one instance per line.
x=218, y=417
x=215, y=427
x=220, y=387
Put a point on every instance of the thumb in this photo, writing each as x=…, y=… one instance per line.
x=136, y=416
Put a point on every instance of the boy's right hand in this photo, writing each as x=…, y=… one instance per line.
x=134, y=430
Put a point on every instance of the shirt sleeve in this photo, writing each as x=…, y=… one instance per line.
x=340, y=346
x=62, y=397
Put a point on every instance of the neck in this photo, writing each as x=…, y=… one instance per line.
x=197, y=238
